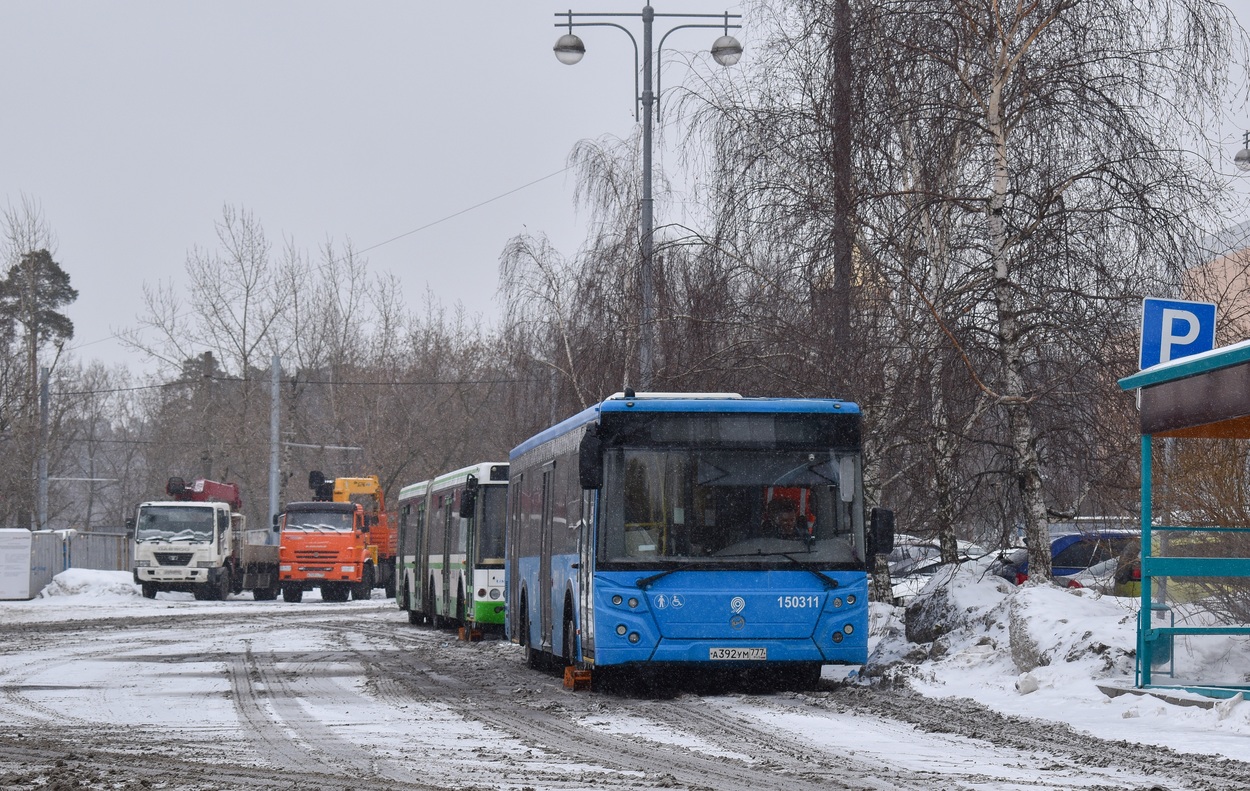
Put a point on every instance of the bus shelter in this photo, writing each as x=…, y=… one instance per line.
x=1194, y=620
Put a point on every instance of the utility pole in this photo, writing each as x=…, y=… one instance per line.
x=274, y=445
x=41, y=509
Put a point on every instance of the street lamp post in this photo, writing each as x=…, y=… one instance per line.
x=569, y=49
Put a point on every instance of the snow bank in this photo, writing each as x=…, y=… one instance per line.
x=91, y=582
x=1045, y=652
x=967, y=622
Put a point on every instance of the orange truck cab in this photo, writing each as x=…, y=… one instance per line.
x=341, y=541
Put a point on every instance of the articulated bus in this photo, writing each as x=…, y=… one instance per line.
x=662, y=531
x=451, y=548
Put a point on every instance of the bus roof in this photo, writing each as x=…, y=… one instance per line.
x=413, y=490
x=688, y=402
x=482, y=471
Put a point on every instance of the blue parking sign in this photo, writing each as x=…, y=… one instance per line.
x=1175, y=328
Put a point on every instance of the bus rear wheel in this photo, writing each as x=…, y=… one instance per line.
x=570, y=641
x=533, y=656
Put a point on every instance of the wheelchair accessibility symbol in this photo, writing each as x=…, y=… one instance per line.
x=675, y=601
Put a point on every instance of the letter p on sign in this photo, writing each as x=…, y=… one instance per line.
x=1173, y=328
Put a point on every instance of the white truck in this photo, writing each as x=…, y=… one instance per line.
x=198, y=542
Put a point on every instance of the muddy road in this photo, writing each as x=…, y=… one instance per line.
x=329, y=696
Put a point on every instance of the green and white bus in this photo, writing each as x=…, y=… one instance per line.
x=451, y=548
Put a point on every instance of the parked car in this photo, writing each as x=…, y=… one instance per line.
x=913, y=562
x=1099, y=577
x=1072, y=554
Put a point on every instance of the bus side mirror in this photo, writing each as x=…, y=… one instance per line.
x=590, y=459
x=881, y=531
x=276, y=527
x=468, y=499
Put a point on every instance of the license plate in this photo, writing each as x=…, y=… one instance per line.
x=737, y=653
x=316, y=574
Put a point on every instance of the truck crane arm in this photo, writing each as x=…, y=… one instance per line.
x=205, y=491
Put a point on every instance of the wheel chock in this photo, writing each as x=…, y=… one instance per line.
x=575, y=679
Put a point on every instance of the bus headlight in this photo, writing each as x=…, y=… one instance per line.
x=620, y=628
x=495, y=593
x=837, y=637
x=617, y=600
x=848, y=629
x=634, y=637
x=633, y=603
x=850, y=598
x=837, y=602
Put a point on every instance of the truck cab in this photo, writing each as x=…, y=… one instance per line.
x=325, y=545
x=198, y=542
x=183, y=546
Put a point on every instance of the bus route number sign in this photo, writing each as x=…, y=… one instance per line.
x=738, y=653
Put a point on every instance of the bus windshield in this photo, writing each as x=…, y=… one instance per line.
x=730, y=506
x=183, y=524
x=490, y=530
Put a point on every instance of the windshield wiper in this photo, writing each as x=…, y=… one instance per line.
x=830, y=582
x=645, y=582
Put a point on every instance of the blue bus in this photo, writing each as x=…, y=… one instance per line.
x=660, y=531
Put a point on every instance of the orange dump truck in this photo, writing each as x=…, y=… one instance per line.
x=341, y=541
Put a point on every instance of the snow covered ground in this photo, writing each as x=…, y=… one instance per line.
x=1078, y=639
x=994, y=633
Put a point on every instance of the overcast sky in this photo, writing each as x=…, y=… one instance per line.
x=132, y=123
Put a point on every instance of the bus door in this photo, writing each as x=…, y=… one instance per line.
x=516, y=532
x=449, y=536
x=585, y=571
x=460, y=578
x=420, y=556
x=468, y=529
x=544, y=554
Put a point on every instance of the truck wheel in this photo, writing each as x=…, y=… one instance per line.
x=293, y=594
x=390, y=585
x=264, y=594
x=149, y=590
x=335, y=592
x=364, y=588
x=221, y=590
